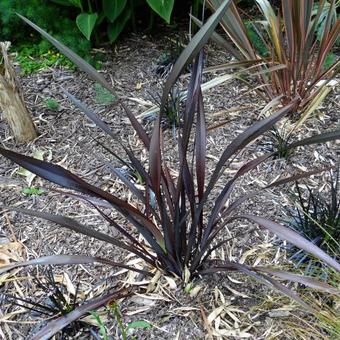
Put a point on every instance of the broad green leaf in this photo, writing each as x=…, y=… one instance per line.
x=115, y=28
x=113, y=8
x=86, y=23
x=162, y=7
x=76, y=3
x=139, y=324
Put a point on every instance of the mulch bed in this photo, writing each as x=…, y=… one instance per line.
x=69, y=139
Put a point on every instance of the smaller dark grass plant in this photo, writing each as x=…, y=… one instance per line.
x=54, y=301
x=51, y=301
x=172, y=109
x=178, y=230
x=280, y=143
x=317, y=218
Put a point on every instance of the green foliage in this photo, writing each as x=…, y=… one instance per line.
x=115, y=28
x=115, y=14
x=86, y=23
x=34, y=57
x=329, y=61
x=280, y=142
x=256, y=40
x=33, y=191
x=114, y=311
x=52, y=104
x=103, y=96
x=33, y=53
x=162, y=8
x=139, y=324
x=113, y=9
x=101, y=325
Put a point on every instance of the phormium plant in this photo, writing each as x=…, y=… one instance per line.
x=182, y=225
x=298, y=49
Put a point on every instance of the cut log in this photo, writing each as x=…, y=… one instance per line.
x=12, y=102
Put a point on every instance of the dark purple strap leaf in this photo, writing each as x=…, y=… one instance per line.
x=66, y=260
x=305, y=280
x=293, y=237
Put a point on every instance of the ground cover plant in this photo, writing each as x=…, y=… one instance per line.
x=180, y=227
x=33, y=53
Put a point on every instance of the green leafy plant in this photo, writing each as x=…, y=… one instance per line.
x=139, y=324
x=296, y=67
x=326, y=9
x=52, y=104
x=101, y=325
x=33, y=53
x=113, y=310
x=103, y=96
x=180, y=230
x=40, y=11
x=33, y=191
x=162, y=8
x=317, y=218
x=115, y=13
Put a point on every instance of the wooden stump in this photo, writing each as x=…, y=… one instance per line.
x=12, y=102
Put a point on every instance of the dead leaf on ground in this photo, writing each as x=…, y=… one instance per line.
x=11, y=252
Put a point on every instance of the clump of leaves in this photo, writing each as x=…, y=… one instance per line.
x=53, y=301
x=180, y=230
x=256, y=40
x=33, y=191
x=103, y=96
x=172, y=108
x=280, y=143
x=317, y=218
x=32, y=58
x=52, y=104
x=115, y=315
x=298, y=48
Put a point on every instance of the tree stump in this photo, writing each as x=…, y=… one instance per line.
x=12, y=101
